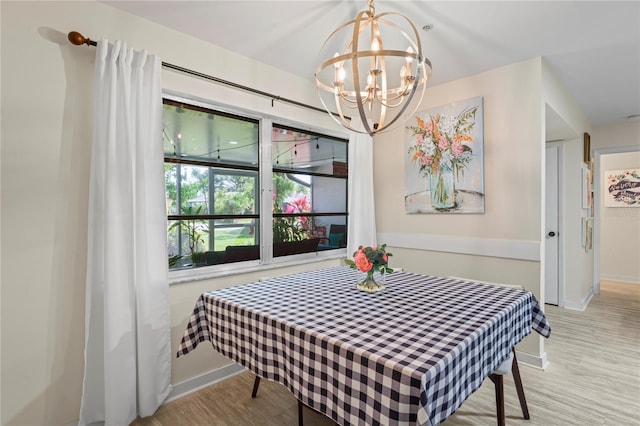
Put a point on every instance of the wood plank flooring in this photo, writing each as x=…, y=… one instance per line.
x=593, y=379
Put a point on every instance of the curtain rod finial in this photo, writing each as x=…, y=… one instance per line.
x=78, y=39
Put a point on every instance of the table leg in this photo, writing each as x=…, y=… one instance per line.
x=256, y=383
x=498, y=382
x=519, y=388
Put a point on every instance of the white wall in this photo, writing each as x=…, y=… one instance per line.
x=577, y=271
x=619, y=228
x=46, y=147
x=616, y=135
x=503, y=244
x=616, y=146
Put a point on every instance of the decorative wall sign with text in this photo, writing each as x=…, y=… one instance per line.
x=622, y=188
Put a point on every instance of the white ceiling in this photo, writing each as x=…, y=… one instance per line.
x=592, y=46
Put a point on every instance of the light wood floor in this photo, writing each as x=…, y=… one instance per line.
x=593, y=379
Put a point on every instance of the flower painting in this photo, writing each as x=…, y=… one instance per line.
x=622, y=188
x=444, y=159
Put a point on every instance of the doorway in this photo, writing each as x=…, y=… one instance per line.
x=557, y=131
x=615, y=230
x=552, y=224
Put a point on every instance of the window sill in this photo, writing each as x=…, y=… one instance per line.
x=217, y=271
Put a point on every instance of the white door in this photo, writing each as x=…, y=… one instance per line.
x=551, y=276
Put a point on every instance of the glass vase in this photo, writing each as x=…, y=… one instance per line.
x=371, y=282
x=442, y=189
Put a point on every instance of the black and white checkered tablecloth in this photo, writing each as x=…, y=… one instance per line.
x=411, y=354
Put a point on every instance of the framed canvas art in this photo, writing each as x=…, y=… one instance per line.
x=444, y=162
x=586, y=187
x=587, y=233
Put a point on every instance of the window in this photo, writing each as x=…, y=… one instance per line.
x=216, y=204
x=309, y=191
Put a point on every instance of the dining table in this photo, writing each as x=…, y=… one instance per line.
x=408, y=355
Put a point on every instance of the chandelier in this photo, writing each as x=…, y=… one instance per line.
x=359, y=74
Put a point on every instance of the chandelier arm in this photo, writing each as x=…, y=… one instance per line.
x=366, y=53
x=383, y=86
x=354, y=65
x=389, y=102
x=382, y=118
x=343, y=120
x=403, y=108
x=386, y=53
x=349, y=101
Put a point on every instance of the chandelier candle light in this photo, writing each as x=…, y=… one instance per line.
x=364, y=74
x=370, y=260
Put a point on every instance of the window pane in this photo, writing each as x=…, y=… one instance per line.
x=194, y=190
x=206, y=135
x=234, y=232
x=230, y=240
x=303, y=193
x=329, y=194
x=291, y=194
x=188, y=240
x=211, y=170
x=171, y=180
x=235, y=193
x=334, y=229
x=309, y=176
x=174, y=243
x=305, y=234
x=235, y=240
x=311, y=153
x=293, y=235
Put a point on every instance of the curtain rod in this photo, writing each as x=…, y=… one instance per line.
x=78, y=39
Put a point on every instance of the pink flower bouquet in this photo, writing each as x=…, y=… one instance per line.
x=370, y=260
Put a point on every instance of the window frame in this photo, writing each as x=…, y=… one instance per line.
x=287, y=171
x=265, y=190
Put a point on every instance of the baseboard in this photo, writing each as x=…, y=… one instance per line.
x=618, y=278
x=539, y=362
x=581, y=306
x=196, y=383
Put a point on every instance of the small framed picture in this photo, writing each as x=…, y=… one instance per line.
x=586, y=187
x=586, y=150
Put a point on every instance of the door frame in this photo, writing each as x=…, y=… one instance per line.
x=561, y=215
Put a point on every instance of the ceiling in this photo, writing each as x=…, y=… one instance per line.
x=592, y=46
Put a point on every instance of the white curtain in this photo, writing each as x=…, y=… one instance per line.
x=362, y=214
x=127, y=318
